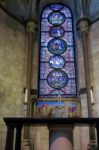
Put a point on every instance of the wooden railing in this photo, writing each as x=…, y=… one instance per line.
x=18, y=123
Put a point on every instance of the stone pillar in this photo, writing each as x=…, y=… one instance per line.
x=83, y=26
x=30, y=28
x=61, y=137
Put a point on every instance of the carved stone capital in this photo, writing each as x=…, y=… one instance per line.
x=31, y=26
x=83, y=24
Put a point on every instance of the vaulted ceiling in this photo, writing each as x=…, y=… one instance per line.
x=21, y=10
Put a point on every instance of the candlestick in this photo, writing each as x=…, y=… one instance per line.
x=26, y=92
x=91, y=95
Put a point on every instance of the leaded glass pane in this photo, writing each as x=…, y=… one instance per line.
x=56, y=7
x=45, y=38
x=57, y=61
x=44, y=92
x=67, y=12
x=70, y=88
x=45, y=25
x=44, y=70
x=68, y=37
x=45, y=55
x=46, y=12
x=69, y=54
x=56, y=31
x=57, y=79
x=56, y=92
x=67, y=25
x=57, y=46
x=56, y=18
x=69, y=68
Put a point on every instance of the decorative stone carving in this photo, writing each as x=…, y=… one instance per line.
x=83, y=24
x=31, y=26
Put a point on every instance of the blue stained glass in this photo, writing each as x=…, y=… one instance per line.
x=45, y=54
x=69, y=54
x=56, y=31
x=68, y=37
x=57, y=79
x=45, y=25
x=57, y=92
x=43, y=90
x=67, y=12
x=56, y=7
x=46, y=12
x=67, y=25
x=71, y=87
x=45, y=38
x=57, y=46
x=69, y=69
x=56, y=18
x=57, y=61
x=44, y=70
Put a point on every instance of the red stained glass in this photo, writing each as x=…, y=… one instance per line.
x=57, y=53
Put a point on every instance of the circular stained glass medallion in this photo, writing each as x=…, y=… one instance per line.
x=57, y=61
x=57, y=79
x=56, y=31
x=57, y=46
x=56, y=7
x=56, y=18
x=57, y=92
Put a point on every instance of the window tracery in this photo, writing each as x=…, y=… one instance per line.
x=57, y=60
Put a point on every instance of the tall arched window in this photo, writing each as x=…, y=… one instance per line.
x=57, y=76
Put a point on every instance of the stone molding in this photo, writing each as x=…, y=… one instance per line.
x=83, y=24
x=31, y=26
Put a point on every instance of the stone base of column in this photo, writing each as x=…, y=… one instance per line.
x=92, y=145
x=61, y=137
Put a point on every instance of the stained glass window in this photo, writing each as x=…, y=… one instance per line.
x=48, y=109
x=57, y=58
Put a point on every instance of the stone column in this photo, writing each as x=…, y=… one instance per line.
x=61, y=137
x=83, y=26
x=30, y=28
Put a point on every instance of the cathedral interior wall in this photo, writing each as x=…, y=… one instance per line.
x=12, y=58
x=13, y=50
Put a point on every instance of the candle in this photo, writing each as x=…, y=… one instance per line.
x=91, y=95
x=26, y=91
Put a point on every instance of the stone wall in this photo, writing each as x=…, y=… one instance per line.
x=93, y=52
x=13, y=49
x=81, y=133
x=39, y=138
x=12, y=76
x=94, y=63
